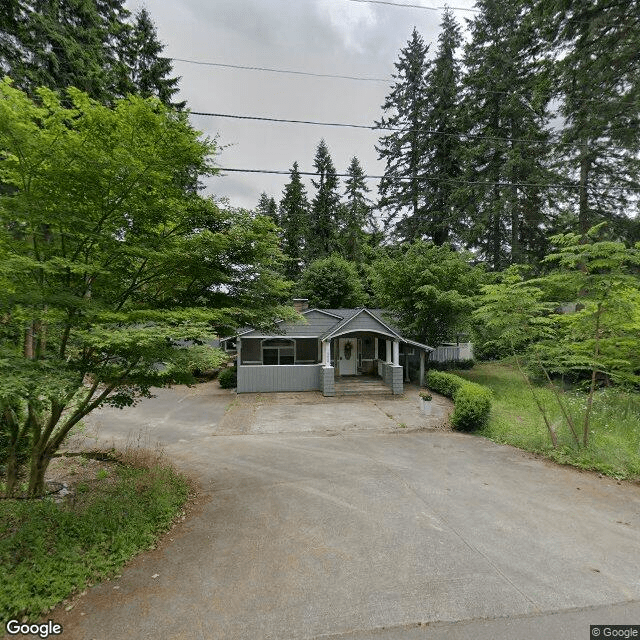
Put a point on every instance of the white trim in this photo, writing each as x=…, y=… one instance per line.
x=334, y=333
x=417, y=344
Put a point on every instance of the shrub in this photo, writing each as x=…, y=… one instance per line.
x=452, y=364
x=472, y=401
x=228, y=378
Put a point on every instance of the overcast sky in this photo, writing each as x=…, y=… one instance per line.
x=317, y=36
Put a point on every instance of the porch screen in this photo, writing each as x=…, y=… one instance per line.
x=278, y=351
x=307, y=350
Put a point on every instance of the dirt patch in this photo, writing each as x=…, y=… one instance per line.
x=66, y=473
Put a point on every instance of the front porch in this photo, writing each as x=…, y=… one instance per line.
x=360, y=362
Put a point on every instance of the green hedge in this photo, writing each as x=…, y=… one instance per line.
x=228, y=378
x=472, y=401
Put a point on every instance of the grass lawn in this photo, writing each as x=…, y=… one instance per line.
x=49, y=550
x=615, y=423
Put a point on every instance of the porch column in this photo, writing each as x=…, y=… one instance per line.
x=421, y=367
x=396, y=352
x=326, y=353
x=388, y=351
x=375, y=348
x=238, y=351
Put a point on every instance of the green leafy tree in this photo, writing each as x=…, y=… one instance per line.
x=401, y=189
x=294, y=220
x=332, y=283
x=593, y=335
x=505, y=110
x=111, y=267
x=322, y=234
x=430, y=289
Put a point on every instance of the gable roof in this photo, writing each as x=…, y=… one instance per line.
x=342, y=327
x=324, y=324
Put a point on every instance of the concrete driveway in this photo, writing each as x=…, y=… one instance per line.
x=359, y=525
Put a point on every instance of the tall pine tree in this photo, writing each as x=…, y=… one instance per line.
x=597, y=80
x=442, y=156
x=294, y=221
x=322, y=236
x=357, y=218
x=506, y=149
x=401, y=189
x=149, y=73
x=267, y=207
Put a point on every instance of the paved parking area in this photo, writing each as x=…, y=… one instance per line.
x=363, y=533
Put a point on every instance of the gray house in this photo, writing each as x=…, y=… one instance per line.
x=332, y=346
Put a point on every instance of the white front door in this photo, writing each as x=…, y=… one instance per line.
x=348, y=348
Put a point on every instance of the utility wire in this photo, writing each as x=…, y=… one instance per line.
x=364, y=126
x=291, y=71
x=413, y=6
x=432, y=179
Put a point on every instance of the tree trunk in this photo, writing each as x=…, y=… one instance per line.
x=516, y=250
x=594, y=371
x=40, y=459
x=584, y=215
x=28, y=342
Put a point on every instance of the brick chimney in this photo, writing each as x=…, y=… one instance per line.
x=300, y=304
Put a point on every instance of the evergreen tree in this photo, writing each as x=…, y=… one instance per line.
x=294, y=220
x=597, y=80
x=267, y=207
x=322, y=237
x=63, y=43
x=504, y=107
x=402, y=187
x=442, y=159
x=149, y=74
x=357, y=215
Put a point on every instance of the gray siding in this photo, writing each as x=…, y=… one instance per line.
x=264, y=378
x=364, y=322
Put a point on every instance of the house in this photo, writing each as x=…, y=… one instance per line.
x=330, y=345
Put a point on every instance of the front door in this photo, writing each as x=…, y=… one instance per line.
x=348, y=348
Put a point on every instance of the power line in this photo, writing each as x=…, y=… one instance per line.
x=432, y=179
x=412, y=6
x=290, y=71
x=363, y=126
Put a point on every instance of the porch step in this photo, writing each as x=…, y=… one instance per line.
x=363, y=386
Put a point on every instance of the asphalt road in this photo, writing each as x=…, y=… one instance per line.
x=365, y=534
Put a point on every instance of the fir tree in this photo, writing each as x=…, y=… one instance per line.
x=441, y=216
x=402, y=187
x=597, y=80
x=64, y=43
x=149, y=73
x=505, y=112
x=322, y=238
x=357, y=215
x=294, y=221
x=267, y=207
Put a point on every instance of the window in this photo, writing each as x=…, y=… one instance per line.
x=278, y=351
